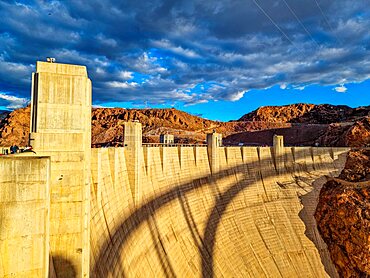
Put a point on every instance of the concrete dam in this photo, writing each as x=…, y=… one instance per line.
x=154, y=211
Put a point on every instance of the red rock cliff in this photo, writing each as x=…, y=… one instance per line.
x=343, y=216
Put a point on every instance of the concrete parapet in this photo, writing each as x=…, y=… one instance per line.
x=278, y=141
x=278, y=152
x=24, y=216
x=133, y=152
x=214, y=141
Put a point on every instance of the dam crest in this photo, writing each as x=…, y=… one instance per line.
x=154, y=211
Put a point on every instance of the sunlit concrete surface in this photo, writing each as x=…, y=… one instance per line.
x=61, y=129
x=24, y=216
x=249, y=219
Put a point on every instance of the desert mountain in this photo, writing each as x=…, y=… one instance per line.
x=307, y=113
x=301, y=124
x=107, y=128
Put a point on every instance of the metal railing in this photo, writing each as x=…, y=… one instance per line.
x=172, y=145
x=146, y=145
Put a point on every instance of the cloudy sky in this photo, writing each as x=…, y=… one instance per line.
x=219, y=59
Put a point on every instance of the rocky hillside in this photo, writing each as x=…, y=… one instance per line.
x=14, y=128
x=291, y=121
x=352, y=134
x=107, y=128
x=294, y=135
x=107, y=125
x=343, y=216
x=307, y=113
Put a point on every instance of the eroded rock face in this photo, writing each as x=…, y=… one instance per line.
x=334, y=135
x=358, y=134
x=306, y=113
x=14, y=129
x=278, y=113
x=107, y=128
x=300, y=124
x=343, y=216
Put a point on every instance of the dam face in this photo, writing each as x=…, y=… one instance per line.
x=142, y=211
x=248, y=219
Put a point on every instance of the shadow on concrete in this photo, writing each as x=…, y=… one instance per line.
x=307, y=216
x=213, y=222
x=107, y=262
x=62, y=266
x=159, y=248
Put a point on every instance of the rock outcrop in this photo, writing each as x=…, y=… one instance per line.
x=358, y=135
x=348, y=134
x=343, y=216
x=106, y=124
x=15, y=127
x=278, y=113
x=307, y=113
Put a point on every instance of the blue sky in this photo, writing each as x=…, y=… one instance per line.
x=219, y=59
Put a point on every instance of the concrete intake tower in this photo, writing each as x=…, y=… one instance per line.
x=154, y=211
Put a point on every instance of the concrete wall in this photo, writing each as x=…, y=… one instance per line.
x=61, y=129
x=24, y=215
x=251, y=218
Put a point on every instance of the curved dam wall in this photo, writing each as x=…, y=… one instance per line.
x=253, y=217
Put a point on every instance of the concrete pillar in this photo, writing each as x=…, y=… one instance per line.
x=61, y=129
x=278, y=149
x=214, y=141
x=133, y=148
x=278, y=141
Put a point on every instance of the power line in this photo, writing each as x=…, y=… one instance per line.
x=301, y=23
x=273, y=22
x=327, y=22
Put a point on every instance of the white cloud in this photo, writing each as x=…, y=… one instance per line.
x=300, y=88
x=166, y=44
x=101, y=106
x=106, y=41
x=147, y=64
x=122, y=85
x=283, y=86
x=198, y=101
x=236, y=96
x=14, y=102
x=340, y=89
x=126, y=75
